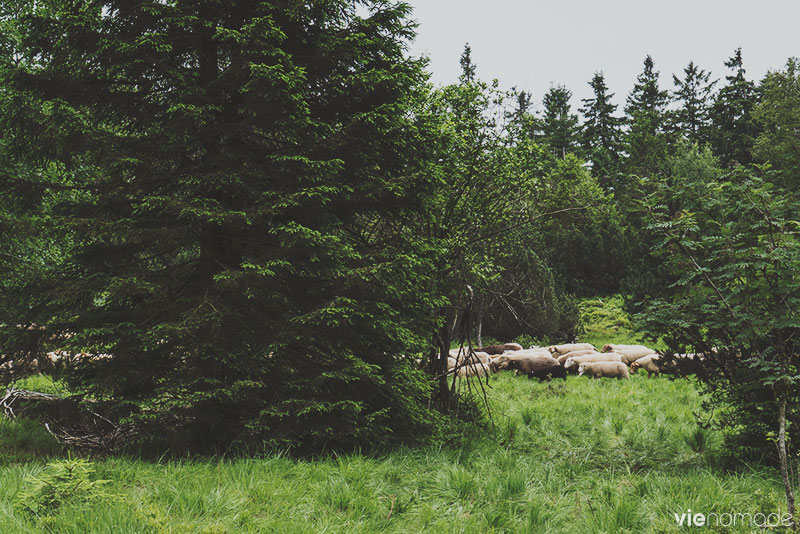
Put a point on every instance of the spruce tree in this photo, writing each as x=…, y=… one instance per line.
x=646, y=142
x=693, y=94
x=467, y=66
x=734, y=128
x=602, y=131
x=233, y=188
x=559, y=125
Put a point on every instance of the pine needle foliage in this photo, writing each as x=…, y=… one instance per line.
x=226, y=190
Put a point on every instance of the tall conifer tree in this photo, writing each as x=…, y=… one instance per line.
x=734, y=128
x=693, y=93
x=646, y=142
x=559, y=125
x=234, y=182
x=602, y=131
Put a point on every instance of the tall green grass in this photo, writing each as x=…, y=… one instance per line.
x=585, y=456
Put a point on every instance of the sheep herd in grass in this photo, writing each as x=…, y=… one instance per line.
x=555, y=361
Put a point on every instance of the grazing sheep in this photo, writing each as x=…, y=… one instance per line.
x=575, y=361
x=604, y=369
x=541, y=369
x=463, y=354
x=569, y=347
x=472, y=369
x=502, y=362
x=632, y=350
x=630, y=356
x=648, y=363
x=456, y=353
x=564, y=357
x=500, y=349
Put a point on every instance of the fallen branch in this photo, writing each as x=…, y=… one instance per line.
x=69, y=422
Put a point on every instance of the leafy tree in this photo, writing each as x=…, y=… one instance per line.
x=487, y=215
x=778, y=118
x=728, y=253
x=559, y=125
x=602, y=133
x=693, y=94
x=237, y=190
x=569, y=238
x=734, y=129
x=646, y=142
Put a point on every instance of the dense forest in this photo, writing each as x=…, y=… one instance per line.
x=264, y=227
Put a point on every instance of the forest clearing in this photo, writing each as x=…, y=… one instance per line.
x=262, y=269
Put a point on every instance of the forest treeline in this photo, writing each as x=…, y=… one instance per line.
x=270, y=227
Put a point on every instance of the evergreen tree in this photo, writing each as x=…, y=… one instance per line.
x=778, y=118
x=236, y=188
x=646, y=142
x=693, y=93
x=734, y=128
x=602, y=131
x=558, y=125
x=467, y=66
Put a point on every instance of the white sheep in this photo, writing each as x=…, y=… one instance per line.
x=604, y=369
x=569, y=347
x=563, y=358
x=648, y=363
x=632, y=351
x=575, y=361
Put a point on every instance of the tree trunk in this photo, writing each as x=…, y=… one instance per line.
x=479, y=328
x=784, y=463
x=443, y=337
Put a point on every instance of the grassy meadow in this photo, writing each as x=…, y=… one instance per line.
x=577, y=457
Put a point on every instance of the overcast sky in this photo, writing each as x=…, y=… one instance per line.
x=531, y=44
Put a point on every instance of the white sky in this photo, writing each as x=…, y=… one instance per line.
x=533, y=44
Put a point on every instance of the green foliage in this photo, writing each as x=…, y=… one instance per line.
x=234, y=194
x=586, y=246
x=778, y=118
x=728, y=249
x=494, y=197
x=62, y=482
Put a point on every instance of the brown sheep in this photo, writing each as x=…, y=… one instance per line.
x=502, y=362
x=499, y=349
x=538, y=368
x=632, y=350
x=604, y=369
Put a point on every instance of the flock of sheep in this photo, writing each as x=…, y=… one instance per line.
x=555, y=361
